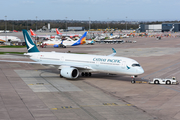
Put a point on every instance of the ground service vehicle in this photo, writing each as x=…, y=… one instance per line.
x=164, y=81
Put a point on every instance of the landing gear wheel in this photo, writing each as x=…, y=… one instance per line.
x=82, y=74
x=90, y=74
x=60, y=76
x=60, y=45
x=86, y=74
x=133, y=81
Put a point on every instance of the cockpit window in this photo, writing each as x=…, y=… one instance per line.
x=135, y=65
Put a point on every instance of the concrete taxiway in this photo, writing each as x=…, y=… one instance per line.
x=36, y=92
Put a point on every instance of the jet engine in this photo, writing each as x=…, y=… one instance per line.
x=69, y=72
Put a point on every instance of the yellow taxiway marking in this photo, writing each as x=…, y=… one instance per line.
x=30, y=84
x=110, y=104
x=64, y=107
x=37, y=84
x=104, y=104
x=141, y=82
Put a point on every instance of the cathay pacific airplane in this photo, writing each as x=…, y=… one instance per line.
x=72, y=65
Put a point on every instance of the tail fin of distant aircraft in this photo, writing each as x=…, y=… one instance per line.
x=81, y=41
x=58, y=33
x=31, y=47
x=32, y=33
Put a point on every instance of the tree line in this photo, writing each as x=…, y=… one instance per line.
x=61, y=24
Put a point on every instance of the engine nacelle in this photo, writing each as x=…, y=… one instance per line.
x=69, y=72
x=56, y=46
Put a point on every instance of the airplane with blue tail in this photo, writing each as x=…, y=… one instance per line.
x=72, y=65
x=70, y=42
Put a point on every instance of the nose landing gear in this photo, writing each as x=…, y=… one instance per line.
x=133, y=79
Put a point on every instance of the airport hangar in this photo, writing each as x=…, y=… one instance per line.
x=164, y=27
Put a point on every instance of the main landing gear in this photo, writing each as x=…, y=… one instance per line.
x=133, y=79
x=86, y=74
x=61, y=45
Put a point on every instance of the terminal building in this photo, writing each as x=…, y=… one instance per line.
x=164, y=27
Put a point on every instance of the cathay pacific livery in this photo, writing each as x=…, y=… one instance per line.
x=72, y=65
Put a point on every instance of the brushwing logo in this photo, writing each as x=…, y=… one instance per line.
x=127, y=67
x=28, y=43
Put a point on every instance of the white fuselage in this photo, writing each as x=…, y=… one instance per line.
x=52, y=42
x=93, y=63
x=68, y=42
x=10, y=38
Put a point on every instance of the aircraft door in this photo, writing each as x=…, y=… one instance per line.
x=39, y=56
x=97, y=63
x=123, y=66
x=62, y=59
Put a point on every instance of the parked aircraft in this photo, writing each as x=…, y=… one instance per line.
x=71, y=65
x=43, y=36
x=53, y=42
x=70, y=42
x=9, y=39
x=70, y=35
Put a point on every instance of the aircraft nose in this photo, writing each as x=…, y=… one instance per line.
x=140, y=70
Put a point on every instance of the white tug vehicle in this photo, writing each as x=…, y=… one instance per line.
x=164, y=81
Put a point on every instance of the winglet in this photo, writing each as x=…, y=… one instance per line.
x=31, y=47
x=114, y=52
x=82, y=40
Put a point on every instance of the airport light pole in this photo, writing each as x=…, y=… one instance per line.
x=6, y=26
x=66, y=26
x=126, y=23
x=27, y=24
x=89, y=24
x=108, y=24
x=36, y=31
x=36, y=23
x=13, y=25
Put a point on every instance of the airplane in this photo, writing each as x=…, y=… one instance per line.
x=14, y=31
x=90, y=42
x=70, y=35
x=71, y=65
x=53, y=42
x=43, y=36
x=70, y=42
x=9, y=39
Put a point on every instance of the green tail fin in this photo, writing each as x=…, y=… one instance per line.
x=31, y=47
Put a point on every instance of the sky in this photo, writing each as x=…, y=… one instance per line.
x=103, y=10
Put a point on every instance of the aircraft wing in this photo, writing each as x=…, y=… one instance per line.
x=48, y=63
x=114, y=52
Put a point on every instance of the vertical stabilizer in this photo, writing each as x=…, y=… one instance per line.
x=82, y=40
x=31, y=47
x=58, y=33
x=32, y=33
